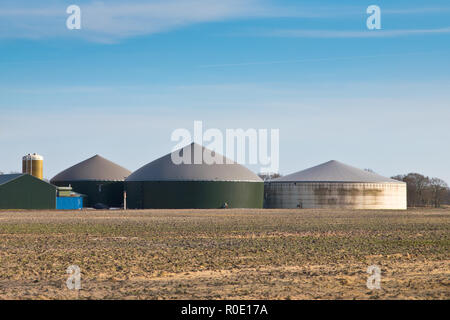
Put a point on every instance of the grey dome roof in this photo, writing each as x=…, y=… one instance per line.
x=335, y=171
x=96, y=168
x=163, y=169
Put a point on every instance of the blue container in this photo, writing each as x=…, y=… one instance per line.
x=69, y=203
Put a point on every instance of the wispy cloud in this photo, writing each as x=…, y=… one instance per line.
x=113, y=20
x=414, y=11
x=300, y=33
x=243, y=64
x=110, y=21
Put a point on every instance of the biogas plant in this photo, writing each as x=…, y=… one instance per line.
x=161, y=184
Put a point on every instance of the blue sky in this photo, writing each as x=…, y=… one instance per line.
x=137, y=70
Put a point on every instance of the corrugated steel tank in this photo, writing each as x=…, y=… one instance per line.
x=162, y=184
x=101, y=180
x=194, y=194
x=33, y=164
x=335, y=185
x=336, y=195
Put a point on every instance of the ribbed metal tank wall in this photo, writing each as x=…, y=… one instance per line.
x=194, y=194
x=335, y=195
x=166, y=185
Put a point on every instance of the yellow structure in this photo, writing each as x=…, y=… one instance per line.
x=33, y=164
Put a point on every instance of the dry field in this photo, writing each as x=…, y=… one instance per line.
x=225, y=254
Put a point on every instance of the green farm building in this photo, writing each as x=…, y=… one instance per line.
x=101, y=180
x=165, y=184
x=23, y=191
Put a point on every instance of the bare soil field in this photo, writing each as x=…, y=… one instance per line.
x=225, y=254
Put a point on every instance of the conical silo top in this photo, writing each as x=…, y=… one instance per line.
x=164, y=169
x=335, y=171
x=96, y=168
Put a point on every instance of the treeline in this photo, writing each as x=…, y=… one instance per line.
x=424, y=191
x=269, y=176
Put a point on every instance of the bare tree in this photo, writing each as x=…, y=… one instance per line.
x=423, y=191
x=447, y=197
x=417, y=185
x=438, y=190
x=269, y=176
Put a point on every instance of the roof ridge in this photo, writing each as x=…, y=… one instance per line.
x=93, y=168
x=164, y=169
x=15, y=176
x=335, y=171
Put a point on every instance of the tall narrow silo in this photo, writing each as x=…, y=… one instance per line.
x=33, y=164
